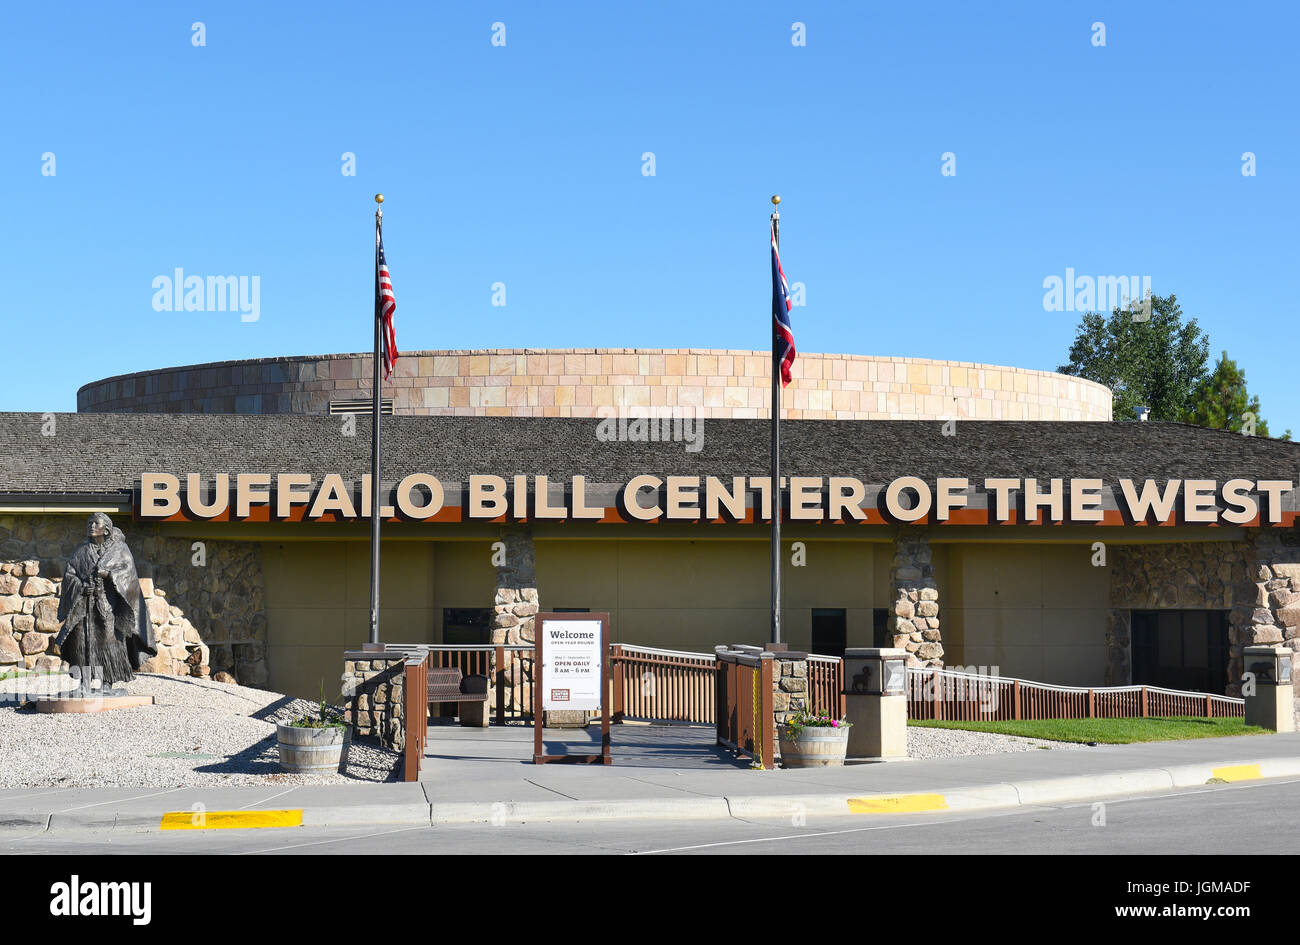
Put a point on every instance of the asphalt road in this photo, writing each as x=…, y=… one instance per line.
x=1209, y=820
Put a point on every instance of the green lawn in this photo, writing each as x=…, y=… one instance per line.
x=1106, y=731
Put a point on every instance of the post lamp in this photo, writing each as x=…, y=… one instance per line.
x=875, y=700
x=1266, y=685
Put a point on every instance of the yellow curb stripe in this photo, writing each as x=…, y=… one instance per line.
x=229, y=819
x=897, y=804
x=1237, y=773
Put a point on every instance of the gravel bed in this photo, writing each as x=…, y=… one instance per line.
x=955, y=743
x=198, y=733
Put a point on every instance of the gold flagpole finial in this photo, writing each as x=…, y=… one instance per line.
x=379, y=198
x=776, y=200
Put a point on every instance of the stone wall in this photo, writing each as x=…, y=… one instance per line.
x=374, y=697
x=578, y=382
x=1256, y=580
x=207, y=619
x=914, y=611
x=1270, y=612
x=789, y=685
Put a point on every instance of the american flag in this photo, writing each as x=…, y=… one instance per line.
x=385, y=306
x=782, y=333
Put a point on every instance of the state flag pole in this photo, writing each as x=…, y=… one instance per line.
x=376, y=391
x=775, y=489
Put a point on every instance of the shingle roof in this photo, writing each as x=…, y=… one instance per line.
x=103, y=453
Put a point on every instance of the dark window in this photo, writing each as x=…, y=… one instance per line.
x=467, y=626
x=880, y=635
x=1181, y=649
x=829, y=631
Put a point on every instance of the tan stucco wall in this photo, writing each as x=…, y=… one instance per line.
x=1037, y=611
x=672, y=593
x=1033, y=608
x=463, y=577
x=695, y=594
x=318, y=604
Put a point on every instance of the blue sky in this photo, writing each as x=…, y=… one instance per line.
x=522, y=164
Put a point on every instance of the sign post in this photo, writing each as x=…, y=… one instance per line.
x=571, y=672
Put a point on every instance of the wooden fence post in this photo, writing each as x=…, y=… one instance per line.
x=1015, y=698
x=501, y=684
x=616, y=657
x=767, y=712
x=414, y=724
x=1144, y=702
x=722, y=690
x=719, y=698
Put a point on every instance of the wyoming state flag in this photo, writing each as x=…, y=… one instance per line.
x=782, y=333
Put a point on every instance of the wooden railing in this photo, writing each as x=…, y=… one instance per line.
x=826, y=685
x=508, y=667
x=416, y=710
x=745, y=714
x=969, y=697
x=662, y=685
x=653, y=684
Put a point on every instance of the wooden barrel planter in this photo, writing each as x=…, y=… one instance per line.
x=312, y=750
x=814, y=747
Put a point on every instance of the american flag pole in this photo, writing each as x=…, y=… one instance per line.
x=376, y=390
x=775, y=490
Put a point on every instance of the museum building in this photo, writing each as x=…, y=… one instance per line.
x=975, y=515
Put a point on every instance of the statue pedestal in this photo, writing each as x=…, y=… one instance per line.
x=84, y=705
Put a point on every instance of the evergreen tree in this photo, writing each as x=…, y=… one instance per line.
x=1221, y=401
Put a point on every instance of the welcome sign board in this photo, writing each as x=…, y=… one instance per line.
x=570, y=673
x=571, y=664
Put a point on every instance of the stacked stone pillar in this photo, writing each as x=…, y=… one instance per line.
x=1268, y=610
x=789, y=685
x=914, y=606
x=515, y=607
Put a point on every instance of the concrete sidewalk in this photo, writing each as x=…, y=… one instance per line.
x=478, y=776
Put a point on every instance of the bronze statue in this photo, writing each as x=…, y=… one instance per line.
x=106, y=626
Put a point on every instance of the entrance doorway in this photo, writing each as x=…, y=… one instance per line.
x=467, y=626
x=829, y=631
x=1181, y=649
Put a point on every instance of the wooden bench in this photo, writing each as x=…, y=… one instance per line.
x=446, y=684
